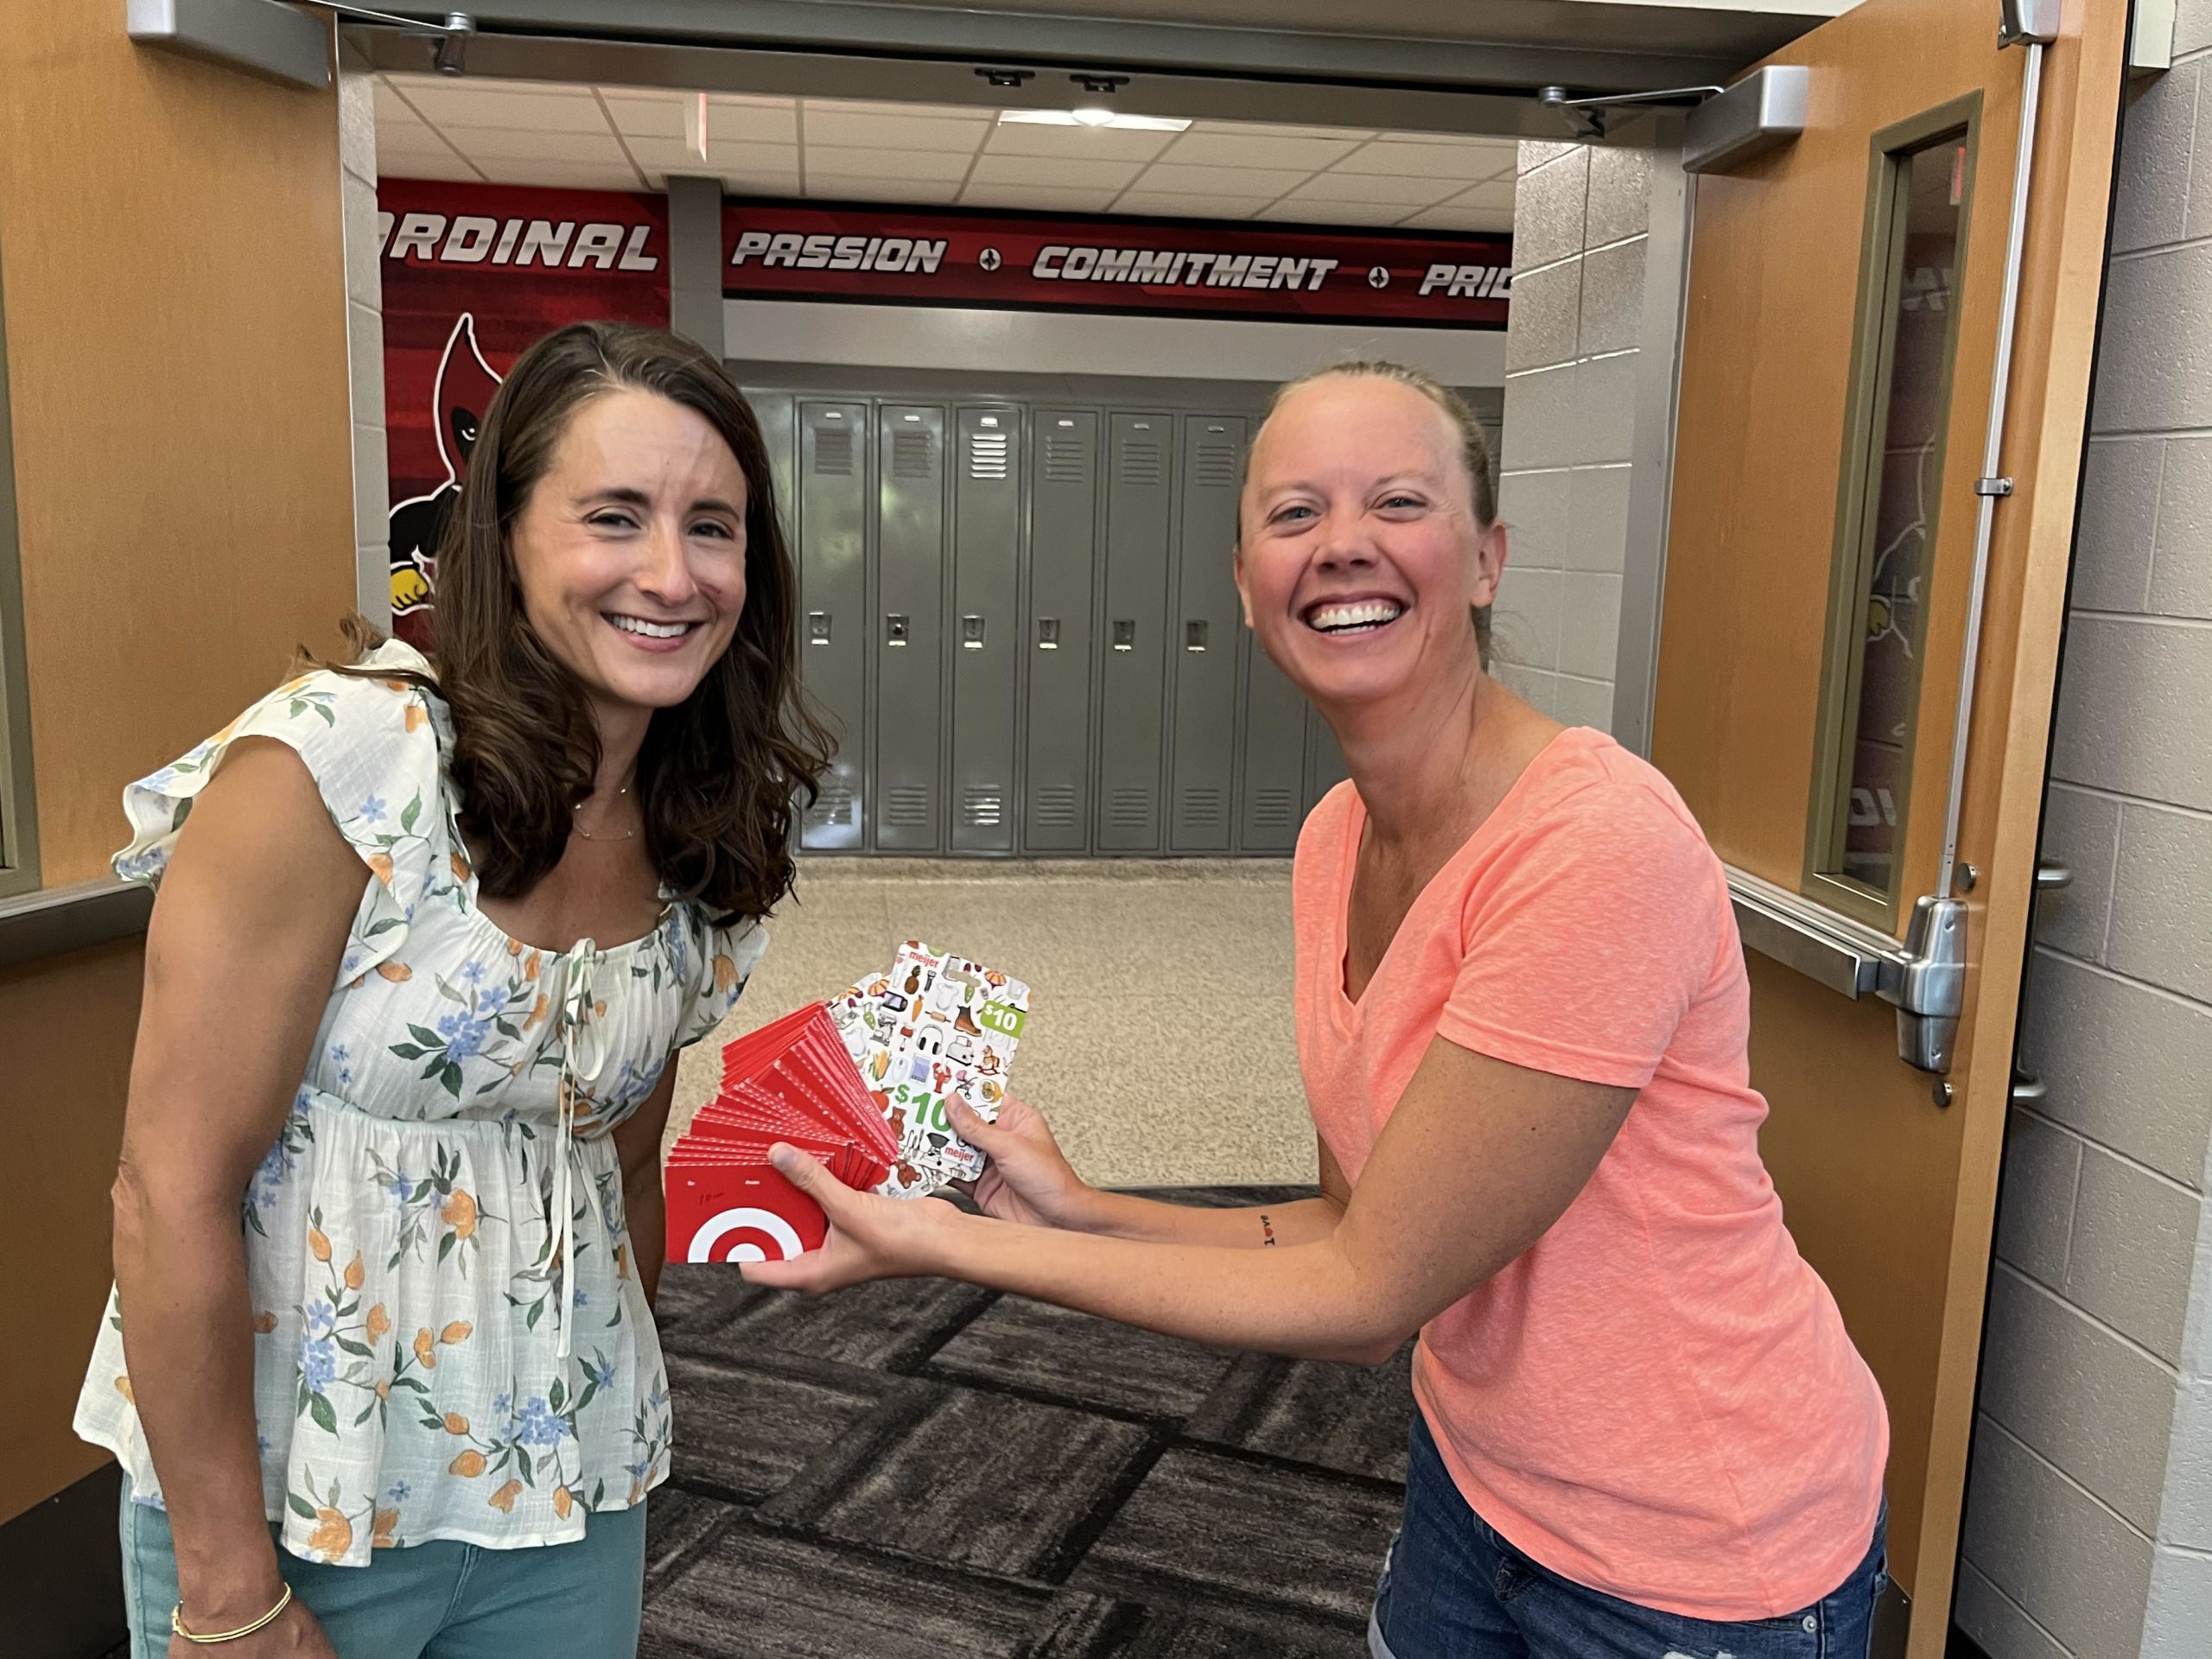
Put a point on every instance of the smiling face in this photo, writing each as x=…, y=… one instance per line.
x=630, y=550
x=1359, y=549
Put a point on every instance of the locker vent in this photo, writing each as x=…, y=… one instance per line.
x=1056, y=806
x=913, y=455
x=1271, y=809
x=834, y=807
x=982, y=805
x=987, y=455
x=1202, y=809
x=1143, y=461
x=1130, y=809
x=1067, y=459
x=907, y=805
x=833, y=451
x=1214, y=466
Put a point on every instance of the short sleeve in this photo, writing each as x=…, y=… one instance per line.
x=721, y=959
x=369, y=746
x=1590, y=939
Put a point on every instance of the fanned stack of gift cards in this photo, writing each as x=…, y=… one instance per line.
x=860, y=1085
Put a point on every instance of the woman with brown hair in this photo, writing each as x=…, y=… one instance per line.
x=427, y=936
x=1523, y=1023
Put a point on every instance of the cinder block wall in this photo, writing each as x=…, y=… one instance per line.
x=2089, y=1512
x=1581, y=224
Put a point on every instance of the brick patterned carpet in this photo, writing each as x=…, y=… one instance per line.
x=923, y=1468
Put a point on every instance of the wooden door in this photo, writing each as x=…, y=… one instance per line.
x=1840, y=341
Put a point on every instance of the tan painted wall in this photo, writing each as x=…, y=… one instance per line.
x=174, y=274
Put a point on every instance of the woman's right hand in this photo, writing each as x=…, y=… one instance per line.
x=1029, y=1180
x=294, y=1634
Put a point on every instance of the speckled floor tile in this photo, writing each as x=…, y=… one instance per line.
x=745, y=1433
x=1085, y=1361
x=1344, y=1417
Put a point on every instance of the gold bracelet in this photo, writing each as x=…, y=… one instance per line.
x=176, y=1622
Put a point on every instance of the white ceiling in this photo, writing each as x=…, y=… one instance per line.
x=629, y=138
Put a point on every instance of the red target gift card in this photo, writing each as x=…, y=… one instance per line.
x=739, y=1212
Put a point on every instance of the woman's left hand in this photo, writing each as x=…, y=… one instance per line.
x=870, y=1237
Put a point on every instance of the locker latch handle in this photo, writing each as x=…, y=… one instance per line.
x=1194, y=636
x=971, y=633
x=894, y=629
x=817, y=628
x=1048, y=633
x=1125, y=633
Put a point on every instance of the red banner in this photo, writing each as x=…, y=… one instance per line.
x=473, y=274
x=1022, y=261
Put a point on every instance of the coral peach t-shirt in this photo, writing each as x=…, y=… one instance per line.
x=1657, y=1398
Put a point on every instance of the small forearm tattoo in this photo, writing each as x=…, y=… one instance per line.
x=1267, y=1231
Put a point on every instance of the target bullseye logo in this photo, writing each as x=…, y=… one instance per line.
x=746, y=1235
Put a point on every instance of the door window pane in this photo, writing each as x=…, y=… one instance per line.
x=1900, y=471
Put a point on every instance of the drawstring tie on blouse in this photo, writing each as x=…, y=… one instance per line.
x=583, y=1054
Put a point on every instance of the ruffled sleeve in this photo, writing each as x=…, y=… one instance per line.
x=369, y=746
x=720, y=960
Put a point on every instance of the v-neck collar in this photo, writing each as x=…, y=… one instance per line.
x=1349, y=1012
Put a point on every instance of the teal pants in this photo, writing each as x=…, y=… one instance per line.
x=441, y=1600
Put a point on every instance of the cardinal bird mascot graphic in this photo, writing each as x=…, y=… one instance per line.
x=462, y=395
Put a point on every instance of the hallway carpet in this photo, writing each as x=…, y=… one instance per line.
x=922, y=1468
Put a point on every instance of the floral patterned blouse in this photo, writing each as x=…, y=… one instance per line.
x=436, y=1355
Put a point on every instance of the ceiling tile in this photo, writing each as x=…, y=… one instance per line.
x=1173, y=206
x=391, y=106
x=1077, y=144
x=1168, y=177
x=891, y=131
x=1036, y=197
x=1468, y=161
x=1053, y=174
x=484, y=145
x=1335, y=212
x=902, y=112
x=855, y=164
x=756, y=100
x=444, y=166
x=1269, y=130
x=640, y=118
x=573, y=175
x=1497, y=195
x=674, y=155
x=1224, y=150
x=1453, y=217
x=829, y=187
x=1407, y=193
x=473, y=104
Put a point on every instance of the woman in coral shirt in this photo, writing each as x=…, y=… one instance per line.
x=1522, y=1019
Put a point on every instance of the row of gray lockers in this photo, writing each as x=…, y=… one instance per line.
x=1022, y=621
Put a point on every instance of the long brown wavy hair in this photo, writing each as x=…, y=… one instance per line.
x=719, y=775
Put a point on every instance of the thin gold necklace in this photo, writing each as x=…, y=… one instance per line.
x=627, y=835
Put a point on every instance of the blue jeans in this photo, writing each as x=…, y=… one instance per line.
x=441, y=1600
x=1454, y=1589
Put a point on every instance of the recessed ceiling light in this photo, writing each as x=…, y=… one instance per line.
x=1091, y=115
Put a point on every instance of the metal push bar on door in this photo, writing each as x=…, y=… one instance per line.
x=1925, y=975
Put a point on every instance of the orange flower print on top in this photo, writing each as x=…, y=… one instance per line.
x=426, y=1353
x=416, y=718
x=355, y=1271
x=455, y=1423
x=398, y=972
x=561, y=1502
x=123, y=1388
x=456, y=1333
x=467, y=1466
x=725, y=973
x=381, y=864
x=460, y=867
x=334, y=1534
x=318, y=1244
x=459, y=1213
x=378, y=1323
x=263, y=1324
x=503, y=1499
x=380, y=1534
